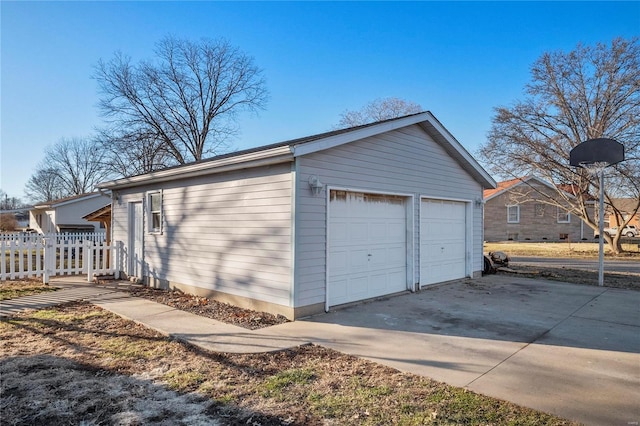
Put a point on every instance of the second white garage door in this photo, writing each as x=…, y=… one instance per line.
x=367, y=255
x=443, y=241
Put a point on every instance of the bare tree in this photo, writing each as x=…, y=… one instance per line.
x=9, y=203
x=187, y=99
x=378, y=110
x=44, y=185
x=590, y=92
x=70, y=167
x=128, y=154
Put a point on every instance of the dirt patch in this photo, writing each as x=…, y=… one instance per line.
x=79, y=364
x=611, y=279
x=210, y=308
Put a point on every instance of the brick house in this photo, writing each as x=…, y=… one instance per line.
x=516, y=210
x=628, y=209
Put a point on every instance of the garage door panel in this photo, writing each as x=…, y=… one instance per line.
x=373, y=242
x=338, y=260
x=443, y=241
x=358, y=260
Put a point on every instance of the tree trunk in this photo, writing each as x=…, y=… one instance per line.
x=614, y=243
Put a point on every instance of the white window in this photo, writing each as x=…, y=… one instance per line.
x=155, y=211
x=513, y=214
x=563, y=216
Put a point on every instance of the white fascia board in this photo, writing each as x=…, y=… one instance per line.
x=354, y=135
x=54, y=204
x=76, y=200
x=249, y=160
x=461, y=151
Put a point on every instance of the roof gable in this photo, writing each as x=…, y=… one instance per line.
x=289, y=150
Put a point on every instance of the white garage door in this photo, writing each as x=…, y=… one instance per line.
x=367, y=252
x=443, y=241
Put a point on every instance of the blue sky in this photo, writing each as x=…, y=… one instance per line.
x=457, y=59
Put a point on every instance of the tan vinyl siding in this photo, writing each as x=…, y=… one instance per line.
x=406, y=161
x=229, y=233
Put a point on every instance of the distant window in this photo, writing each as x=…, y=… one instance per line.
x=563, y=216
x=539, y=209
x=564, y=236
x=155, y=212
x=513, y=214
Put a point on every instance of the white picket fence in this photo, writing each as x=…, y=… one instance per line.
x=57, y=255
x=96, y=237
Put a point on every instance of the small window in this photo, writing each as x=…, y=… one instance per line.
x=513, y=214
x=155, y=212
x=564, y=236
x=563, y=216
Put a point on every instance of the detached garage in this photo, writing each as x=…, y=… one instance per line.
x=299, y=227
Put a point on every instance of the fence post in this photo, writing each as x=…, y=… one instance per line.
x=117, y=249
x=88, y=260
x=49, y=257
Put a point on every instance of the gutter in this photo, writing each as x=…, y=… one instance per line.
x=247, y=161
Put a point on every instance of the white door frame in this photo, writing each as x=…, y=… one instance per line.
x=135, y=228
x=409, y=207
x=468, y=230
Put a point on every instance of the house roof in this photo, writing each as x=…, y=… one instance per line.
x=501, y=187
x=571, y=189
x=288, y=150
x=101, y=214
x=68, y=200
x=625, y=205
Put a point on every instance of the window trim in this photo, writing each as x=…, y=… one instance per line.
x=560, y=211
x=517, y=220
x=151, y=212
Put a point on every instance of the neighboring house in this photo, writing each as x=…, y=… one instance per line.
x=516, y=210
x=297, y=227
x=628, y=209
x=66, y=214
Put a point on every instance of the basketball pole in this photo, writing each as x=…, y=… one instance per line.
x=601, y=234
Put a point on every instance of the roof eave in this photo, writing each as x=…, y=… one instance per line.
x=253, y=159
x=457, y=151
x=356, y=134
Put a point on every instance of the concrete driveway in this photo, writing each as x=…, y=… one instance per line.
x=565, y=349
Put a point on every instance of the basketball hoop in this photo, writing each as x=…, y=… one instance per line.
x=595, y=155
x=595, y=168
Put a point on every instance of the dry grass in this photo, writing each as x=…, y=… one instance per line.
x=17, y=288
x=78, y=364
x=568, y=249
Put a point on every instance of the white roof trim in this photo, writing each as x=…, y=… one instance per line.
x=461, y=152
x=251, y=159
x=354, y=135
x=289, y=151
x=54, y=204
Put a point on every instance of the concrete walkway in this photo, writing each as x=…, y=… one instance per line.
x=566, y=349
